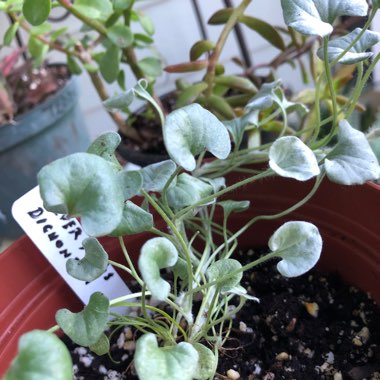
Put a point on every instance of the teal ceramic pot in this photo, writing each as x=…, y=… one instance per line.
x=53, y=129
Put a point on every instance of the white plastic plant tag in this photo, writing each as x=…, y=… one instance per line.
x=60, y=238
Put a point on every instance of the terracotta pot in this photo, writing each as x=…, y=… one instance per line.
x=348, y=219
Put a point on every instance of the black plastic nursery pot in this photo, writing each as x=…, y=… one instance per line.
x=348, y=219
x=151, y=149
x=53, y=129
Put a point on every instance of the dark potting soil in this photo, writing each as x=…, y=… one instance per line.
x=148, y=126
x=311, y=327
x=30, y=86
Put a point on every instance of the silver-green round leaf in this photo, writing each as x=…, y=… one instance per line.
x=191, y=130
x=41, y=356
x=152, y=362
x=156, y=254
x=299, y=244
x=290, y=157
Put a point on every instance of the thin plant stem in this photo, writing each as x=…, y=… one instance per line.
x=214, y=58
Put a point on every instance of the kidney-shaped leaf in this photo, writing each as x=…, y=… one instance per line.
x=131, y=182
x=187, y=191
x=84, y=185
x=190, y=130
x=102, y=346
x=97, y=9
x=156, y=175
x=359, y=52
x=36, y=11
x=86, y=327
x=233, y=206
x=207, y=362
x=41, y=356
x=120, y=35
x=93, y=264
x=156, y=254
x=299, y=244
x=105, y=146
x=315, y=17
x=290, y=157
x=223, y=267
x=352, y=161
x=152, y=362
x=134, y=220
x=109, y=64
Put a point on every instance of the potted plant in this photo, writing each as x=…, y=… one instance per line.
x=107, y=43
x=187, y=204
x=103, y=47
x=39, y=113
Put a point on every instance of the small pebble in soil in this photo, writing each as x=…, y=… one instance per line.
x=233, y=375
x=312, y=308
x=282, y=356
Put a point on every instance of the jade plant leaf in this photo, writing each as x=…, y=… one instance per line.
x=290, y=157
x=120, y=35
x=10, y=34
x=156, y=175
x=121, y=5
x=152, y=362
x=83, y=185
x=299, y=244
x=105, y=147
x=86, y=327
x=190, y=130
x=352, y=161
x=151, y=66
x=187, y=191
x=156, y=254
x=223, y=267
x=207, y=362
x=134, y=220
x=146, y=23
x=41, y=356
x=92, y=265
x=359, y=52
x=36, y=11
x=110, y=62
x=97, y=9
x=315, y=17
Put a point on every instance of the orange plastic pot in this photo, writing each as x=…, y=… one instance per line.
x=348, y=219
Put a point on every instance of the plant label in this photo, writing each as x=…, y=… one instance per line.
x=59, y=238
